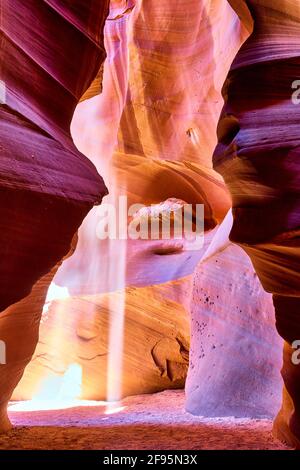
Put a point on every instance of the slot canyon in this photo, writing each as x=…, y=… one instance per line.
x=150, y=224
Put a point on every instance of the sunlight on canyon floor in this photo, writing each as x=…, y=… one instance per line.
x=155, y=421
x=47, y=405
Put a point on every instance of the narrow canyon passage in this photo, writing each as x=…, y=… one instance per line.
x=141, y=308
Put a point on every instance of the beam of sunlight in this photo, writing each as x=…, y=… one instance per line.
x=116, y=276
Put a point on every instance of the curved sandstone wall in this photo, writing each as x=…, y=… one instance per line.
x=50, y=53
x=259, y=155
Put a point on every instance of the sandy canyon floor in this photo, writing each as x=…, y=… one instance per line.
x=150, y=422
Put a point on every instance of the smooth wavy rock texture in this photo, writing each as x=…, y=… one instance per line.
x=161, y=130
x=166, y=64
x=76, y=331
x=235, y=353
x=151, y=133
x=46, y=185
x=258, y=155
x=50, y=53
x=154, y=125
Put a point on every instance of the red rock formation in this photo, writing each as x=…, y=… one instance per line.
x=175, y=165
x=155, y=122
x=47, y=186
x=50, y=53
x=75, y=331
x=156, y=118
x=155, y=126
x=235, y=353
x=258, y=156
x=161, y=94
